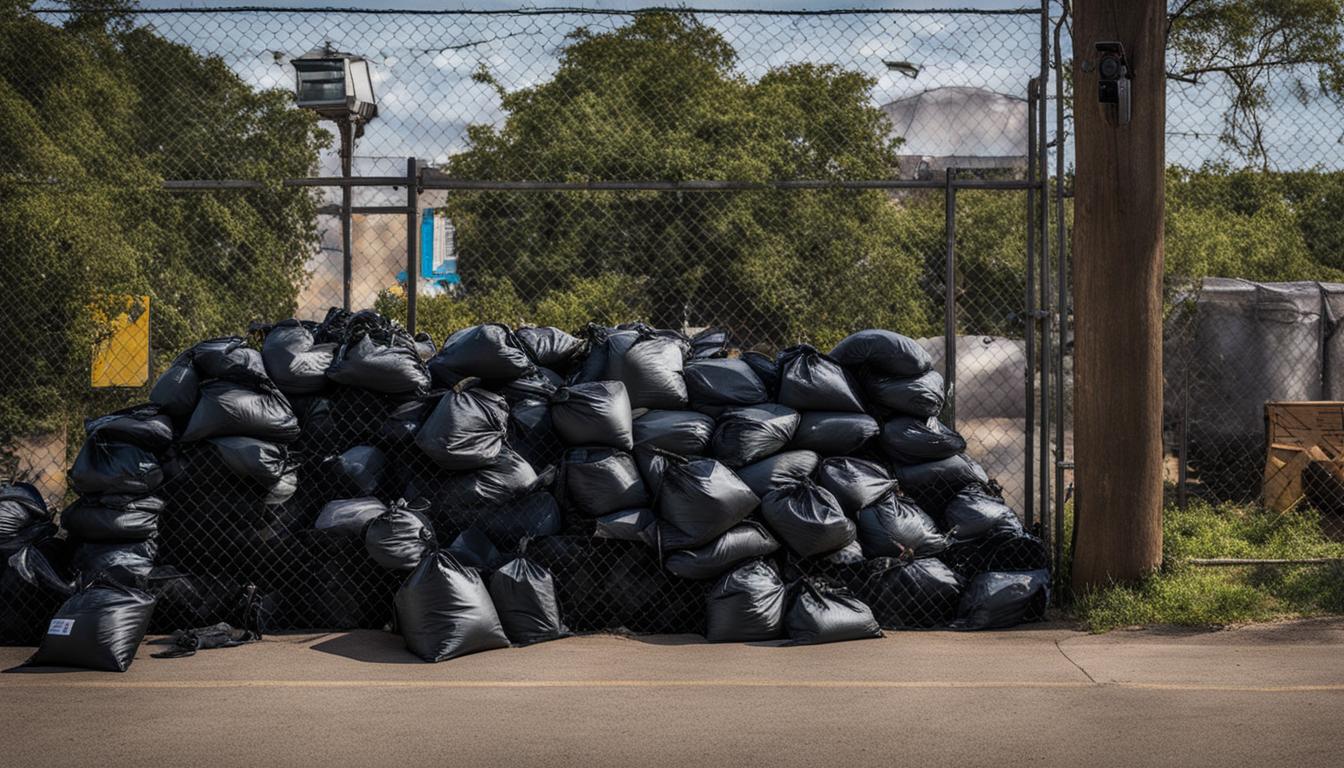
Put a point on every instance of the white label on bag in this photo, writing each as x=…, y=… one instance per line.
x=61, y=627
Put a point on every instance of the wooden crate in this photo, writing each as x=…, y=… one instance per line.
x=1300, y=434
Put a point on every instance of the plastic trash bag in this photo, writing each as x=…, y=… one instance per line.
x=144, y=426
x=399, y=424
x=260, y=461
x=919, y=396
x=467, y=429
x=524, y=596
x=894, y=525
x=294, y=360
x=506, y=478
x=883, y=351
x=844, y=565
x=230, y=359
x=119, y=560
x=765, y=368
x=709, y=343
x=358, y=471
x=176, y=389
x=534, y=515
x=743, y=541
x=912, y=440
x=855, y=483
x=651, y=370
x=783, y=469
x=549, y=347
x=103, y=467
x=809, y=380
x=910, y=594
x=685, y=433
x=444, y=611
x=531, y=433
x=401, y=537
x=746, y=605
x=699, y=500
x=976, y=511
x=473, y=548
x=724, y=382
x=1003, y=551
x=539, y=384
x=226, y=409
x=833, y=433
x=391, y=369
x=824, y=612
x=349, y=516
x=598, y=481
x=424, y=346
x=628, y=525
x=998, y=600
x=489, y=351
x=21, y=505
x=808, y=518
x=113, y=518
x=747, y=434
x=933, y=484
x=100, y=627
x=593, y=413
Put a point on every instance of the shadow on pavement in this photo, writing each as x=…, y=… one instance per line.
x=368, y=646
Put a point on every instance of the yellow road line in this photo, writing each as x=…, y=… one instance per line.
x=19, y=681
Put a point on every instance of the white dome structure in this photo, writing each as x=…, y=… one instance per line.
x=959, y=127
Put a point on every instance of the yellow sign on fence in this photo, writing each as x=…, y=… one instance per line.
x=123, y=359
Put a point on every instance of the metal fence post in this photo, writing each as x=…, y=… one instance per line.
x=412, y=239
x=1029, y=320
x=950, y=298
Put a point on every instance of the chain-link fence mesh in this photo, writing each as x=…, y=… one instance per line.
x=151, y=203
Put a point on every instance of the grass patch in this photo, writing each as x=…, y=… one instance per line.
x=1185, y=595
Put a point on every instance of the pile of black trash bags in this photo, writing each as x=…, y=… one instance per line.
x=514, y=486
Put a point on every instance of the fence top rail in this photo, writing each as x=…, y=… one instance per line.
x=707, y=185
x=548, y=11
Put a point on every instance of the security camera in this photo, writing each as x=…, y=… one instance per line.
x=1113, y=81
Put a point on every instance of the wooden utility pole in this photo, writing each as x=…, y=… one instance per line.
x=1117, y=295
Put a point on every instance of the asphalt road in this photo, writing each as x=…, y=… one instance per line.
x=1043, y=696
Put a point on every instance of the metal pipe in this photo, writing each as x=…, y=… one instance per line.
x=1222, y=561
x=950, y=298
x=412, y=240
x=1061, y=320
x=1029, y=320
x=347, y=224
x=430, y=182
x=1043, y=157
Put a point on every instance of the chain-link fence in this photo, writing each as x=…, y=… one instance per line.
x=788, y=177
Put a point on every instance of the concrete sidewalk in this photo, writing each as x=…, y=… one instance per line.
x=1047, y=695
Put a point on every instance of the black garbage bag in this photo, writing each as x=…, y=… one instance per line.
x=524, y=596
x=651, y=370
x=357, y=471
x=744, y=541
x=294, y=360
x=998, y=600
x=783, y=469
x=932, y=485
x=700, y=499
x=119, y=560
x=855, y=483
x=100, y=627
x=685, y=433
x=226, y=409
x=229, y=358
x=532, y=433
x=593, y=413
x=978, y=511
x=467, y=428
x=444, y=611
x=598, y=481
x=103, y=467
x=883, y=351
x=628, y=525
x=833, y=433
x=424, y=346
x=488, y=351
x=534, y=515
x=349, y=516
x=34, y=580
x=894, y=525
x=766, y=369
x=808, y=518
x=746, y=605
x=809, y=380
x=910, y=594
x=652, y=465
x=844, y=566
x=21, y=505
x=606, y=352
x=922, y=395
x=549, y=347
x=1002, y=551
x=113, y=518
x=747, y=434
x=724, y=382
x=392, y=369
x=821, y=611
x=183, y=600
x=260, y=461
x=506, y=478
x=144, y=426
x=913, y=440
x=401, y=537
x=401, y=422
x=473, y=548
x=176, y=389
x=539, y=384
x=710, y=343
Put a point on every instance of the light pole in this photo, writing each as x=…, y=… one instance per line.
x=338, y=86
